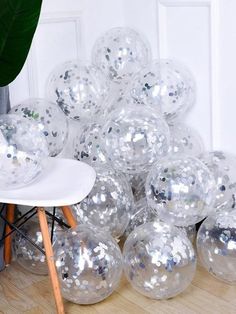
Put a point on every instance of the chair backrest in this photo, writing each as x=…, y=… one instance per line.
x=62, y=182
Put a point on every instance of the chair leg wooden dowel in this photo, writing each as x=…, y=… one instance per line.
x=10, y=214
x=50, y=260
x=67, y=212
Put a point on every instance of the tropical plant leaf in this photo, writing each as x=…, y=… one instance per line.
x=18, y=22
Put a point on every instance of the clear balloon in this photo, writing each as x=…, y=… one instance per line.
x=52, y=122
x=89, y=264
x=79, y=90
x=185, y=141
x=134, y=138
x=110, y=203
x=181, y=190
x=28, y=256
x=223, y=167
x=159, y=260
x=22, y=151
x=216, y=245
x=119, y=53
x=168, y=85
x=87, y=145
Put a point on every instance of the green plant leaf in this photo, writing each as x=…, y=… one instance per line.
x=18, y=22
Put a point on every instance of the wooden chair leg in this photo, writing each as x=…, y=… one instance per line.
x=10, y=213
x=69, y=216
x=50, y=260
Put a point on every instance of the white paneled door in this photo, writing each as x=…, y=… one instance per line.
x=200, y=33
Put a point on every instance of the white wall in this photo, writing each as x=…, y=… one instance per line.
x=201, y=33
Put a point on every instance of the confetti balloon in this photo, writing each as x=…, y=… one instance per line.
x=110, y=203
x=216, y=245
x=89, y=264
x=79, y=90
x=159, y=260
x=87, y=145
x=28, y=256
x=120, y=53
x=134, y=138
x=181, y=190
x=22, y=151
x=185, y=141
x=167, y=85
x=51, y=120
x=223, y=166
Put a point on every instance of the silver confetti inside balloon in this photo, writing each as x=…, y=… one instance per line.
x=87, y=145
x=120, y=53
x=79, y=90
x=51, y=120
x=223, y=167
x=185, y=141
x=110, y=203
x=134, y=138
x=89, y=264
x=28, y=256
x=22, y=151
x=181, y=190
x=159, y=260
x=168, y=85
x=216, y=245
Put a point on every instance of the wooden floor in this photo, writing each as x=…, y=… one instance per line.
x=22, y=292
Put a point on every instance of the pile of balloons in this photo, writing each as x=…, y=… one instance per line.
x=155, y=180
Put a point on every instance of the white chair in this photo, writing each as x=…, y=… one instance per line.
x=63, y=182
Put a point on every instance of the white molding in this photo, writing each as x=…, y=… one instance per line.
x=49, y=18
x=213, y=6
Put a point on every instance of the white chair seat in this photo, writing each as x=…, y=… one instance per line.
x=63, y=182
